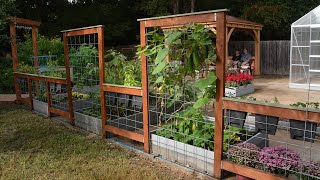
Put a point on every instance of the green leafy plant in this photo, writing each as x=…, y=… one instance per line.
x=26, y=68
x=52, y=70
x=188, y=49
x=132, y=73
x=85, y=70
x=312, y=105
x=190, y=127
x=46, y=46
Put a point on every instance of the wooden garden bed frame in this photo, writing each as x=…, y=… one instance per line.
x=221, y=24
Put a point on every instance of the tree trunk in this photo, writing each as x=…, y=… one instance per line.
x=176, y=6
x=193, y=3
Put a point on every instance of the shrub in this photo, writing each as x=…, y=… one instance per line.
x=6, y=78
x=279, y=160
x=46, y=46
x=244, y=154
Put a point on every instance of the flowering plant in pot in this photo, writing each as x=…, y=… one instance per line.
x=244, y=154
x=308, y=170
x=238, y=79
x=278, y=160
x=238, y=85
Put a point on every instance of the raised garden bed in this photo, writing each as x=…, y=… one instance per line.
x=192, y=156
x=40, y=107
x=195, y=157
x=88, y=123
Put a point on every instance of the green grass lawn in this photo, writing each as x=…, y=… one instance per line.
x=33, y=147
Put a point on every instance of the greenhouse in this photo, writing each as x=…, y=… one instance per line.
x=305, y=51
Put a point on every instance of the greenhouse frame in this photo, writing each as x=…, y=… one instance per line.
x=305, y=52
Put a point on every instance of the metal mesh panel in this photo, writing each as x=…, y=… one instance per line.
x=280, y=146
x=84, y=69
x=124, y=112
x=179, y=132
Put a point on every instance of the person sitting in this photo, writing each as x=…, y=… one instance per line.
x=245, y=58
x=236, y=59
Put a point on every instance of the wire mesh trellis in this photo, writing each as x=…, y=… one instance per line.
x=84, y=68
x=285, y=147
x=179, y=132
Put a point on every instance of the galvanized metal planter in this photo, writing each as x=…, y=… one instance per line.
x=239, y=91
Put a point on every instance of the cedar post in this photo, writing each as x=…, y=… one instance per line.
x=69, y=86
x=145, y=91
x=220, y=71
x=102, y=79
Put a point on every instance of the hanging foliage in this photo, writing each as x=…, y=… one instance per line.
x=176, y=54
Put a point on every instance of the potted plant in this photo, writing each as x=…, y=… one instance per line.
x=303, y=129
x=235, y=118
x=308, y=170
x=278, y=160
x=238, y=84
x=244, y=154
x=267, y=124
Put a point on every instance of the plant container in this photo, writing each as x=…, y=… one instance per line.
x=235, y=118
x=185, y=154
x=88, y=123
x=303, y=130
x=239, y=91
x=40, y=107
x=266, y=124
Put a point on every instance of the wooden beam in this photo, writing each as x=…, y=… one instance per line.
x=125, y=133
x=209, y=18
x=30, y=93
x=244, y=26
x=257, y=64
x=228, y=35
x=277, y=111
x=249, y=171
x=48, y=98
x=56, y=80
x=69, y=84
x=136, y=91
x=59, y=112
x=145, y=90
x=82, y=32
x=14, y=51
x=35, y=47
x=102, y=80
x=26, y=22
x=220, y=71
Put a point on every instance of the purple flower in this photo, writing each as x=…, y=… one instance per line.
x=278, y=159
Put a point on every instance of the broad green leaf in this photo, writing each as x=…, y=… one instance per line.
x=159, y=67
x=161, y=55
x=200, y=103
x=200, y=27
x=173, y=36
x=204, y=83
x=159, y=79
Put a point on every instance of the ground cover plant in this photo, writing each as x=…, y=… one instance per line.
x=33, y=147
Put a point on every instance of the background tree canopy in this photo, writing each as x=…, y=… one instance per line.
x=119, y=16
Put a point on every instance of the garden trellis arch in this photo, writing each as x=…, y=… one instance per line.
x=216, y=21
